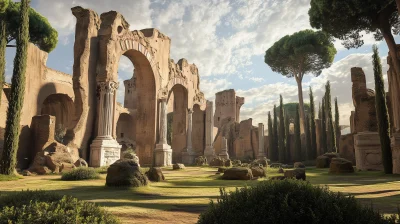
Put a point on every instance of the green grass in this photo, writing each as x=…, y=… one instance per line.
x=186, y=193
x=8, y=177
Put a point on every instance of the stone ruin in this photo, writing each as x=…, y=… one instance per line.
x=78, y=113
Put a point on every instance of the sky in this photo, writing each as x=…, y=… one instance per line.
x=227, y=40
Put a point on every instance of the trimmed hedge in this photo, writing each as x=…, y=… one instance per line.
x=289, y=201
x=43, y=207
x=81, y=173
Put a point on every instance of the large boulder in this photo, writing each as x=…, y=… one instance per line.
x=322, y=162
x=298, y=174
x=125, y=172
x=238, y=173
x=340, y=165
x=178, y=166
x=228, y=163
x=155, y=174
x=217, y=161
x=258, y=171
x=263, y=161
x=130, y=155
x=81, y=163
x=236, y=162
x=201, y=161
x=299, y=165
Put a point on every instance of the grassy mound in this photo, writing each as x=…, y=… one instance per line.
x=81, y=173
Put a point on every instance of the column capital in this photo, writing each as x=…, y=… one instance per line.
x=108, y=86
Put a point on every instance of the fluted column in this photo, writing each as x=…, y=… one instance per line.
x=163, y=122
x=106, y=113
x=189, y=132
x=261, y=153
x=163, y=151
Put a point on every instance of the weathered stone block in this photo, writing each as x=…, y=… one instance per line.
x=238, y=173
x=368, y=151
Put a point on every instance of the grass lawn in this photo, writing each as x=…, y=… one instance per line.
x=186, y=193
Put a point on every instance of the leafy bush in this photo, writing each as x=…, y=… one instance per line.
x=289, y=201
x=81, y=173
x=101, y=170
x=42, y=207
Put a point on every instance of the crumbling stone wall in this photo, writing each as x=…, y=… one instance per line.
x=227, y=105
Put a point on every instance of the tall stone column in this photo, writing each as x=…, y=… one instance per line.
x=261, y=152
x=189, y=156
x=105, y=150
x=163, y=151
x=224, y=149
x=209, y=151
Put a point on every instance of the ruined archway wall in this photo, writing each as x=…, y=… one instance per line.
x=198, y=130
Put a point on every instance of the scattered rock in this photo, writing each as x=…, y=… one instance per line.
x=178, y=166
x=236, y=162
x=201, y=161
x=221, y=170
x=322, y=162
x=340, y=165
x=298, y=173
x=263, y=162
x=245, y=165
x=125, y=172
x=280, y=170
x=217, y=161
x=155, y=174
x=238, y=173
x=299, y=165
x=26, y=173
x=65, y=167
x=228, y=163
x=258, y=171
x=81, y=163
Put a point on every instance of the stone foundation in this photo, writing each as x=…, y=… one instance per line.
x=368, y=151
x=396, y=152
x=104, y=152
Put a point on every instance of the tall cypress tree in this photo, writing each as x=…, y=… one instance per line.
x=287, y=135
x=319, y=111
x=276, y=137
x=297, y=139
x=382, y=113
x=328, y=105
x=9, y=156
x=324, y=145
x=270, y=137
x=313, y=151
x=282, y=138
x=308, y=139
x=337, y=125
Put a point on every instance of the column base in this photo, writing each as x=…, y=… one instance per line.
x=395, y=143
x=261, y=156
x=368, y=151
x=163, y=155
x=188, y=158
x=209, y=153
x=104, y=152
x=224, y=155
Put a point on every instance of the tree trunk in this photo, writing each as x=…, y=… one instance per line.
x=8, y=159
x=301, y=104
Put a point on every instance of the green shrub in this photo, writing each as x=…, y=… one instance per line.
x=81, y=173
x=289, y=201
x=42, y=207
x=101, y=170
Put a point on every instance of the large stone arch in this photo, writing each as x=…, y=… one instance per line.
x=115, y=40
x=125, y=133
x=179, y=121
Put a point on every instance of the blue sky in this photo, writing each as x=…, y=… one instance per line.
x=226, y=39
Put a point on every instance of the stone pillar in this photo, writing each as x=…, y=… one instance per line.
x=209, y=151
x=163, y=151
x=368, y=152
x=261, y=152
x=396, y=152
x=105, y=150
x=189, y=156
x=224, y=149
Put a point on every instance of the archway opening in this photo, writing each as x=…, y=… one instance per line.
x=125, y=132
x=177, y=106
x=62, y=107
x=140, y=100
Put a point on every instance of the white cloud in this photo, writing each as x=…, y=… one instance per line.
x=211, y=86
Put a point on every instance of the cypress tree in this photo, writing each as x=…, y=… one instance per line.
x=328, y=105
x=287, y=135
x=11, y=136
x=297, y=139
x=281, y=132
x=276, y=137
x=324, y=145
x=313, y=151
x=270, y=137
x=337, y=125
x=382, y=113
x=308, y=139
